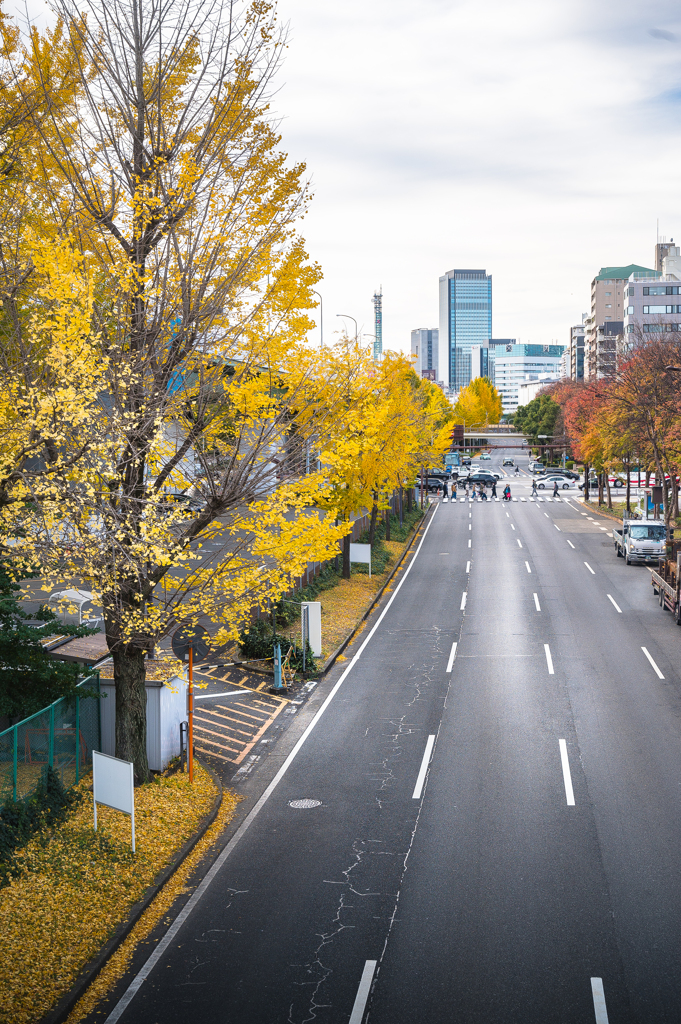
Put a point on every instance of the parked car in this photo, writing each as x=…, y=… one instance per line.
x=508, y=462
x=564, y=482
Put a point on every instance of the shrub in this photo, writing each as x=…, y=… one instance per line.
x=21, y=819
x=258, y=642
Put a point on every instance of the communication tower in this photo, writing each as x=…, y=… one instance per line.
x=378, y=323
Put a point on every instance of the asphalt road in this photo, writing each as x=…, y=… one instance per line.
x=534, y=873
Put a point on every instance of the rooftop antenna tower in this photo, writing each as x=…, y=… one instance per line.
x=378, y=323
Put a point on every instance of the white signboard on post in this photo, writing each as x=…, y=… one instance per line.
x=361, y=553
x=113, y=784
x=314, y=622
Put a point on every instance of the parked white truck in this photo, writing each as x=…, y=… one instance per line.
x=641, y=540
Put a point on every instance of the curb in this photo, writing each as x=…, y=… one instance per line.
x=607, y=515
x=61, y=1011
x=328, y=664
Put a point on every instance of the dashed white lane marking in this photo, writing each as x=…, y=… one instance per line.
x=656, y=669
x=557, y=528
x=452, y=655
x=527, y=566
x=463, y=601
x=363, y=992
x=547, y=515
x=469, y=543
x=569, y=794
x=418, y=789
x=585, y=514
x=512, y=526
x=468, y=566
x=589, y=568
x=599, y=1001
x=470, y=526
x=549, y=659
x=617, y=607
x=536, y=602
x=572, y=545
x=520, y=543
x=507, y=516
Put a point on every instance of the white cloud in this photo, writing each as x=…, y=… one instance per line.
x=537, y=140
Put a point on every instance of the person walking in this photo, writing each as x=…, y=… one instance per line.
x=534, y=489
x=507, y=492
x=444, y=490
x=555, y=488
x=494, y=489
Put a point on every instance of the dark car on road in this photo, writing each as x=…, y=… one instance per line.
x=482, y=477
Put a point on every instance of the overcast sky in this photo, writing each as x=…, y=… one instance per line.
x=539, y=140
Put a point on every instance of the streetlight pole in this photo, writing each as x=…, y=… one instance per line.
x=321, y=318
x=350, y=318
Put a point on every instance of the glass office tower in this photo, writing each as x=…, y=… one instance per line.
x=465, y=322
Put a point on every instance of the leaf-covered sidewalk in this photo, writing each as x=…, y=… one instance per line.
x=74, y=886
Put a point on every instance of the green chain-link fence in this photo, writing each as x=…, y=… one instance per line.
x=62, y=737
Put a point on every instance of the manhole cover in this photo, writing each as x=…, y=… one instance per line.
x=304, y=805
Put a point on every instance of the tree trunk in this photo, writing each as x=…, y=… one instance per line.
x=628, y=484
x=388, y=512
x=372, y=522
x=410, y=498
x=131, y=711
x=600, y=488
x=607, y=488
x=400, y=501
x=346, y=556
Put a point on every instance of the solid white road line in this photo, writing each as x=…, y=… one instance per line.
x=536, y=602
x=617, y=607
x=418, y=789
x=363, y=992
x=599, y=1001
x=463, y=601
x=202, y=888
x=211, y=696
x=520, y=543
x=549, y=659
x=468, y=566
x=589, y=568
x=572, y=545
x=558, y=528
x=452, y=655
x=527, y=566
x=570, y=796
x=647, y=654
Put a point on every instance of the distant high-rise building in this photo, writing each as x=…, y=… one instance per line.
x=662, y=250
x=607, y=305
x=575, y=367
x=378, y=323
x=424, y=345
x=465, y=321
x=518, y=364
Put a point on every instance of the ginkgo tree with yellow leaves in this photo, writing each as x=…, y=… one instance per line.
x=478, y=404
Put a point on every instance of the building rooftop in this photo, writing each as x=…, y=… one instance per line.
x=622, y=273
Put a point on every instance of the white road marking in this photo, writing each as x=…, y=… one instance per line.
x=603, y=528
x=531, y=499
x=470, y=526
x=536, y=602
x=589, y=568
x=507, y=516
x=463, y=600
x=547, y=515
x=569, y=794
x=647, y=654
x=468, y=566
x=519, y=544
x=452, y=655
x=523, y=499
x=617, y=607
x=572, y=545
x=169, y=937
x=363, y=992
x=527, y=565
x=584, y=514
x=210, y=696
x=514, y=499
x=469, y=543
x=512, y=526
x=418, y=789
x=558, y=528
x=549, y=659
x=599, y=1001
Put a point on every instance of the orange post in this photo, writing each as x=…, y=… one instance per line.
x=190, y=731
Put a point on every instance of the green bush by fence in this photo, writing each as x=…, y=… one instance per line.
x=62, y=737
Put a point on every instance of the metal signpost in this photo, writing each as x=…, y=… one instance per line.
x=189, y=643
x=113, y=784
